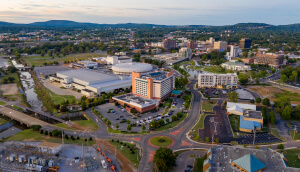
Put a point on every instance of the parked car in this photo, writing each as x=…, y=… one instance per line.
x=117, y=118
x=121, y=116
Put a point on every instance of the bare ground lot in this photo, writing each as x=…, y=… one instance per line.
x=9, y=89
x=274, y=93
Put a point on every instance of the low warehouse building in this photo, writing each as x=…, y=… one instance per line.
x=91, y=82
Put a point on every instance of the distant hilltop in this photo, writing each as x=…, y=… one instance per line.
x=68, y=23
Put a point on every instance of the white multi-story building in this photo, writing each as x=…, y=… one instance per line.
x=228, y=80
x=236, y=66
x=234, y=51
x=156, y=85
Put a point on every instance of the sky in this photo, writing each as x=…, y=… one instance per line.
x=166, y=12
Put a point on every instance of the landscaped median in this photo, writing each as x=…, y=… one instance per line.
x=161, y=141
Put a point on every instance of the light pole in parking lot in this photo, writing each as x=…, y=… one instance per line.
x=254, y=136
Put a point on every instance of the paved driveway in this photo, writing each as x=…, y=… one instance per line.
x=184, y=159
x=55, y=88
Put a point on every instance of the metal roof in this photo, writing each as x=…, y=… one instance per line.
x=245, y=124
x=249, y=163
x=132, y=67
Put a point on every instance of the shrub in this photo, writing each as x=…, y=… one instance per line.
x=78, y=137
x=41, y=131
x=280, y=146
x=36, y=127
x=112, y=140
x=85, y=140
x=117, y=141
x=91, y=138
x=66, y=136
x=50, y=134
x=46, y=133
x=217, y=140
x=132, y=152
x=207, y=139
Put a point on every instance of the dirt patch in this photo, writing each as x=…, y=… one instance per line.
x=267, y=91
x=9, y=89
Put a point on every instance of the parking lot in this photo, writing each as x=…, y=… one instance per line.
x=259, y=138
x=117, y=114
x=215, y=93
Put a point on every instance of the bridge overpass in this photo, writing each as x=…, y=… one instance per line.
x=22, y=117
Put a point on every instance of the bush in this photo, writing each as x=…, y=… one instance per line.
x=66, y=136
x=132, y=152
x=117, y=141
x=91, y=138
x=50, y=134
x=280, y=146
x=36, y=127
x=252, y=101
x=46, y=133
x=121, y=142
x=78, y=137
x=258, y=100
x=207, y=139
x=217, y=140
x=85, y=140
x=42, y=132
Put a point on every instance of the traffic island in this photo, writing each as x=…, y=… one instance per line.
x=161, y=141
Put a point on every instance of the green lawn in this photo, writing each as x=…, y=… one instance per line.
x=14, y=75
x=161, y=141
x=127, y=153
x=198, y=165
x=2, y=121
x=89, y=123
x=292, y=96
x=29, y=134
x=295, y=135
x=59, y=99
x=17, y=108
x=207, y=105
x=172, y=124
x=39, y=60
x=291, y=155
x=215, y=69
x=2, y=103
x=235, y=124
x=196, y=67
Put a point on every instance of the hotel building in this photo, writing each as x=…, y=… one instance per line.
x=228, y=80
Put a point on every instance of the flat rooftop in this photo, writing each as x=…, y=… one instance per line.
x=226, y=154
x=132, y=99
x=88, y=75
x=252, y=114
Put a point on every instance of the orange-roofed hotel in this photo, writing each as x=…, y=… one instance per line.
x=148, y=90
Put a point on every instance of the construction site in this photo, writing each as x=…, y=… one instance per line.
x=53, y=157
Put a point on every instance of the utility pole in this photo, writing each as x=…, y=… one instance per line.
x=212, y=141
x=254, y=136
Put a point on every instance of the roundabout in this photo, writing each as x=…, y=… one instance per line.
x=161, y=141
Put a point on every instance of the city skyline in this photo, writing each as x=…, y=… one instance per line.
x=165, y=12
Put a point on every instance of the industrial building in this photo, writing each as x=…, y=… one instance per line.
x=84, y=64
x=235, y=66
x=240, y=159
x=112, y=60
x=128, y=68
x=91, y=82
x=228, y=80
x=245, y=43
x=271, y=59
x=250, y=119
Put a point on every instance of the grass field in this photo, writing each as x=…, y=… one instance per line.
x=39, y=60
x=215, y=69
x=161, y=141
x=17, y=108
x=2, y=103
x=127, y=153
x=89, y=123
x=295, y=135
x=291, y=155
x=172, y=124
x=59, y=99
x=2, y=121
x=207, y=105
x=198, y=165
x=14, y=75
x=30, y=135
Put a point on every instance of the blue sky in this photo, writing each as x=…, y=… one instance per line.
x=169, y=12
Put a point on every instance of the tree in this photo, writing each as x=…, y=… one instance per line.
x=296, y=114
x=143, y=127
x=11, y=79
x=153, y=124
x=266, y=102
x=128, y=121
x=42, y=53
x=108, y=122
x=272, y=118
x=258, y=100
x=164, y=159
x=128, y=127
x=233, y=96
x=179, y=115
x=174, y=118
x=83, y=105
x=117, y=126
x=207, y=139
x=4, y=81
x=46, y=132
x=161, y=122
x=280, y=146
x=167, y=120
x=287, y=112
x=243, y=78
